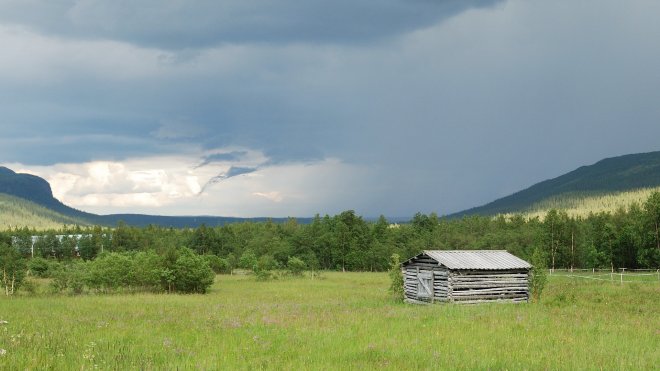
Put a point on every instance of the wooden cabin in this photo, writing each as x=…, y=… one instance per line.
x=466, y=277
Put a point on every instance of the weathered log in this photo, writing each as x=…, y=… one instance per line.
x=502, y=301
x=491, y=283
x=489, y=276
x=516, y=282
x=471, y=278
x=487, y=273
x=471, y=293
x=424, y=265
x=478, y=288
x=488, y=297
x=497, y=289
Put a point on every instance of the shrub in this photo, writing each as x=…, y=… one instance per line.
x=248, y=260
x=78, y=277
x=538, y=274
x=192, y=273
x=110, y=271
x=296, y=266
x=29, y=286
x=263, y=275
x=146, y=270
x=396, y=279
x=179, y=270
x=60, y=280
x=218, y=264
x=262, y=269
x=267, y=262
x=39, y=267
x=74, y=276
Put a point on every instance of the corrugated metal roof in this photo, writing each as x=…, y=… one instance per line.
x=477, y=259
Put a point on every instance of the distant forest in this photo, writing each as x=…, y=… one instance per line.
x=627, y=238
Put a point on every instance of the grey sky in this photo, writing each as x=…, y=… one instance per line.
x=398, y=106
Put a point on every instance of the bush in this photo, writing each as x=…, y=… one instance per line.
x=262, y=269
x=296, y=266
x=396, y=279
x=538, y=275
x=179, y=270
x=263, y=275
x=29, y=286
x=110, y=271
x=146, y=271
x=192, y=273
x=78, y=277
x=218, y=264
x=74, y=277
x=248, y=260
x=267, y=262
x=39, y=267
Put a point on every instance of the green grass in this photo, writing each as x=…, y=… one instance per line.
x=344, y=321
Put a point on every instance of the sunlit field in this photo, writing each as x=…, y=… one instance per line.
x=340, y=321
x=582, y=204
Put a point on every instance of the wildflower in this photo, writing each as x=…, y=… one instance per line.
x=3, y=352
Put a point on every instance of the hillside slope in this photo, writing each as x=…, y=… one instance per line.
x=18, y=212
x=37, y=190
x=606, y=177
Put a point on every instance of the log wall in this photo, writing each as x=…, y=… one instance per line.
x=476, y=286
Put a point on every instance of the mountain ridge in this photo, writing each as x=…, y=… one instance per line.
x=607, y=176
x=613, y=174
x=38, y=191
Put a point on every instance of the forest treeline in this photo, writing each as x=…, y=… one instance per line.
x=628, y=238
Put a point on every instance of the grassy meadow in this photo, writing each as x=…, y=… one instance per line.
x=341, y=321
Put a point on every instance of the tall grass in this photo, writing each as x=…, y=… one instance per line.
x=344, y=321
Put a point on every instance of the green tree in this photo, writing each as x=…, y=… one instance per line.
x=538, y=274
x=87, y=248
x=652, y=209
x=13, y=268
x=204, y=240
x=651, y=254
x=396, y=279
x=556, y=227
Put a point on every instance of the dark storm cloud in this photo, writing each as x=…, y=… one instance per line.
x=449, y=104
x=222, y=157
x=177, y=24
x=232, y=172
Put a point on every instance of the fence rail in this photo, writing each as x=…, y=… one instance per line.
x=622, y=276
